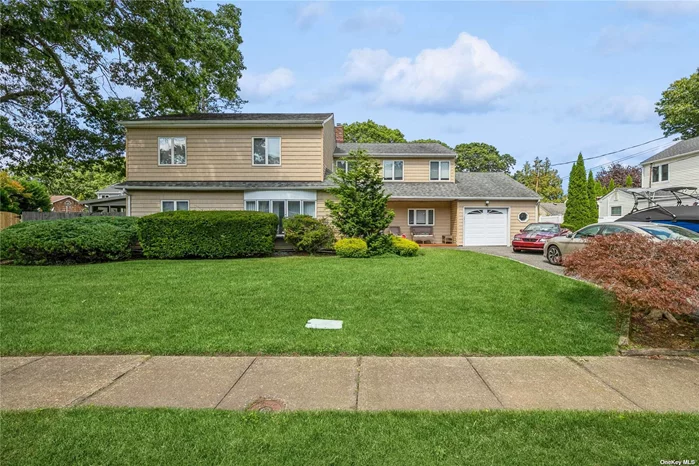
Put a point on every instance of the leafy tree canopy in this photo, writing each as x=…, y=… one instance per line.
x=619, y=173
x=434, y=141
x=361, y=209
x=371, y=132
x=679, y=107
x=21, y=195
x=72, y=69
x=481, y=157
x=541, y=178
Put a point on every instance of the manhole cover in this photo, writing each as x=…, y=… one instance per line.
x=266, y=405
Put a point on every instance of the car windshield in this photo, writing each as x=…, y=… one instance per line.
x=670, y=232
x=546, y=227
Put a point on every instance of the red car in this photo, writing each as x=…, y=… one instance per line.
x=535, y=235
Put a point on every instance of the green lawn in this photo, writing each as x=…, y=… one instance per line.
x=142, y=436
x=442, y=302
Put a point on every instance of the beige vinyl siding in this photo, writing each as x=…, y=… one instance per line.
x=225, y=154
x=329, y=144
x=418, y=170
x=442, y=216
x=148, y=202
x=321, y=210
x=515, y=208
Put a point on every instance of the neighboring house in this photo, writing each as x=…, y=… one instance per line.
x=65, y=204
x=281, y=163
x=676, y=166
x=552, y=211
x=620, y=202
x=110, y=191
x=107, y=204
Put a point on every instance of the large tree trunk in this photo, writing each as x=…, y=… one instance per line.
x=657, y=314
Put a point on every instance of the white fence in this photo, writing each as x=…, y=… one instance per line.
x=551, y=218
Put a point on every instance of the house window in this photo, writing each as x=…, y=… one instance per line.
x=439, y=170
x=343, y=165
x=172, y=151
x=393, y=170
x=266, y=151
x=661, y=173
x=283, y=209
x=421, y=217
x=616, y=211
x=169, y=206
x=523, y=217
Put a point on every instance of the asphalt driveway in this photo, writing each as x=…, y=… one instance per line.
x=535, y=259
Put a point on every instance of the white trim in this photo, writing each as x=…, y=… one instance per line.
x=266, y=164
x=525, y=220
x=685, y=154
x=265, y=195
x=128, y=205
x=429, y=170
x=175, y=203
x=508, y=240
x=427, y=217
x=393, y=169
x=172, y=152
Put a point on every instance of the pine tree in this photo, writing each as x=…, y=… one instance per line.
x=592, y=196
x=611, y=187
x=629, y=181
x=599, y=189
x=578, y=205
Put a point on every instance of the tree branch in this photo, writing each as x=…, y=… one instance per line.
x=17, y=95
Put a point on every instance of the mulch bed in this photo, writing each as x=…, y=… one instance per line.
x=664, y=334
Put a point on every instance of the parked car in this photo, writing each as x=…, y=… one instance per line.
x=534, y=236
x=558, y=247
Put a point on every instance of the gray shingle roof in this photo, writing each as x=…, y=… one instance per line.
x=402, y=149
x=554, y=208
x=467, y=186
x=682, y=147
x=240, y=117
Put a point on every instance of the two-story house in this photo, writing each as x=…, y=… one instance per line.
x=282, y=163
x=676, y=166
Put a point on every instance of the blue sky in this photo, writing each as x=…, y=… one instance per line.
x=533, y=79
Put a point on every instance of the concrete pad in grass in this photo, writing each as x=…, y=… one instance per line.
x=547, y=383
x=667, y=384
x=176, y=382
x=10, y=363
x=438, y=384
x=296, y=383
x=58, y=381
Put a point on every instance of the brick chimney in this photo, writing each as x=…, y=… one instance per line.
x=339, y=133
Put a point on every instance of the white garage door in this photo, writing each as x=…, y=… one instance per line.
x=485, y=227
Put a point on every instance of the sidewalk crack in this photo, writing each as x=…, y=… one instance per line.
x=597, y=377
x=23, y=365
x=83, y=398
x=486, y=383
x=236, y=382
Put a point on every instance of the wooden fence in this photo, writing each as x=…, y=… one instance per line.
x=27, y=216
x=7, y=219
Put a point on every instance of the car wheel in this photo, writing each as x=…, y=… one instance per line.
x=516, y=250
x=554, y=255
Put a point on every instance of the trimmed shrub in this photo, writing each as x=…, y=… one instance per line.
x=351, y=247
x=405, y=247
x=70, y=241
x=380, y=244
x=646, y=275
x=307, y=234
x=207, y=234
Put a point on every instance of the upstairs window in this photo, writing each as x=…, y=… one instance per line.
x=266, y=151
x=661, y=173
x=172, y=151
x=393, y=170
x=343, y=165
x=440, y=170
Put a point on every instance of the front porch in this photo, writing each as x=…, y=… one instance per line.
x=439, y=216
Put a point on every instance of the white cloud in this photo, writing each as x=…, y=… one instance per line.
x=309, y=13
x=383, y=18
x=263, y=86
x=665, y=7
x=617, y=109
x=469, y=75
x=617, y=39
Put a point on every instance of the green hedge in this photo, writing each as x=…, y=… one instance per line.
x=405, y=247
x=208, y=234
x=308, y=234
x=351, y=247
x=70, y=241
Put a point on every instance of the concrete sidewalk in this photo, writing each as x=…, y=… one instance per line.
x=352, y=383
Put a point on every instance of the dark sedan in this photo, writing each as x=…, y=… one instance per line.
x=535, y=235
